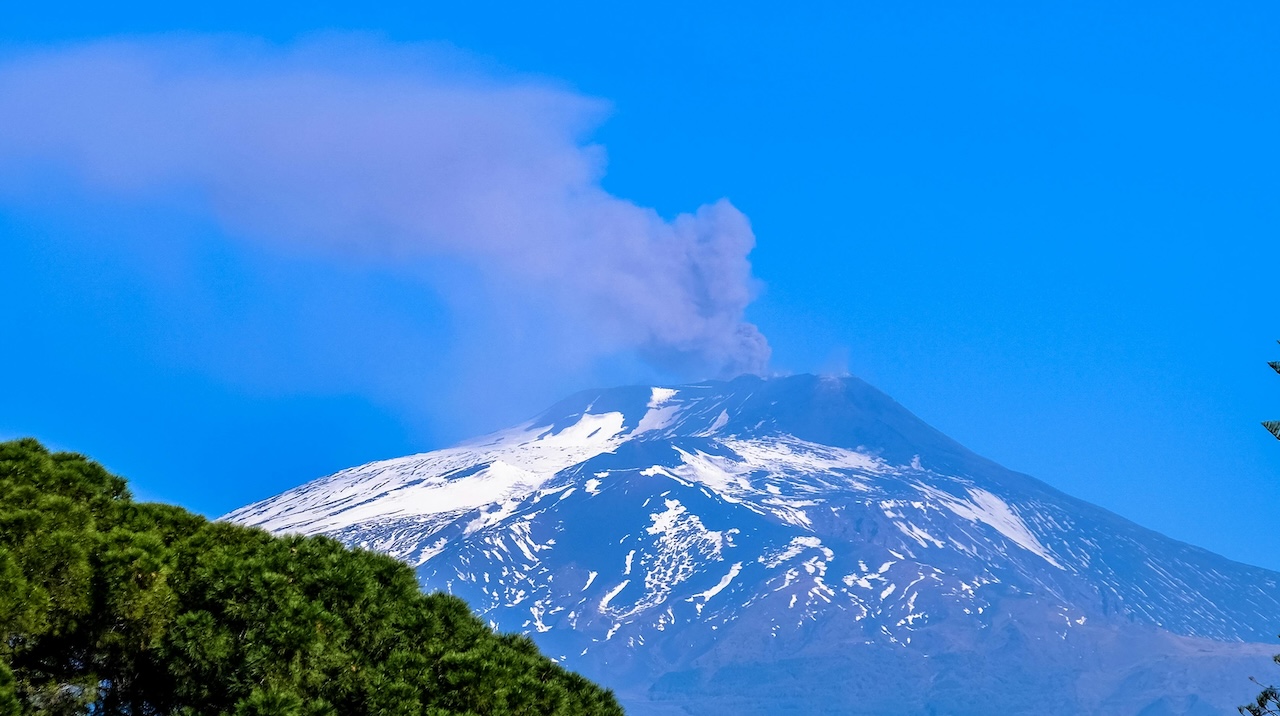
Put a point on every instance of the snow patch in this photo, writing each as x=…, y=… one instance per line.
x=657, y=419
x=721, y=420
x=500, y=468
x=658, y=396
x=724, y=582
x=792, y=550
x=604, y=603
x=985, y=507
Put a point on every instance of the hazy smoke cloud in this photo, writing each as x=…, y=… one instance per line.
x=391, y=156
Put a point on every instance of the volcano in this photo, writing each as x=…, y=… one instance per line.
x=802, y=545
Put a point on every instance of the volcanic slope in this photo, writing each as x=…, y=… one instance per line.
x=802, y=545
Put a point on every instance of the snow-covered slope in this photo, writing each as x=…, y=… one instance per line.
x=802, y=544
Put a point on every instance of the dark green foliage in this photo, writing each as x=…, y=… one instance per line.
x=1273, y=426
x=1267, y=703
x=108, y=606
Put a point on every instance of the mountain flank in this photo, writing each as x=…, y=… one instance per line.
x=801, y=545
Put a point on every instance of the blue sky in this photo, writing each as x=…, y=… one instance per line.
x=1050, y=231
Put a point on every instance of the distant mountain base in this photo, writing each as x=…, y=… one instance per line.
x=1163, y=676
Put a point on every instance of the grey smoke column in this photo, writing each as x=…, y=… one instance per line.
x=389, y=155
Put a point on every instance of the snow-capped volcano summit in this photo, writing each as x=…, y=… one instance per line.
x=805, y=545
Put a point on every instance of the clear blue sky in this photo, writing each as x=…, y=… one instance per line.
x=1050, y=230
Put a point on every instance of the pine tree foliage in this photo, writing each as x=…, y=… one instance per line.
x=1273, y=426
x=1268, y=701
x=111, y=607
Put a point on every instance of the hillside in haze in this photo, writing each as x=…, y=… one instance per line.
x=802, y=545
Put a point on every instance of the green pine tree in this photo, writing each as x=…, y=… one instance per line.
x=116, y=608
x=1268, y=701
x=1273, y=426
